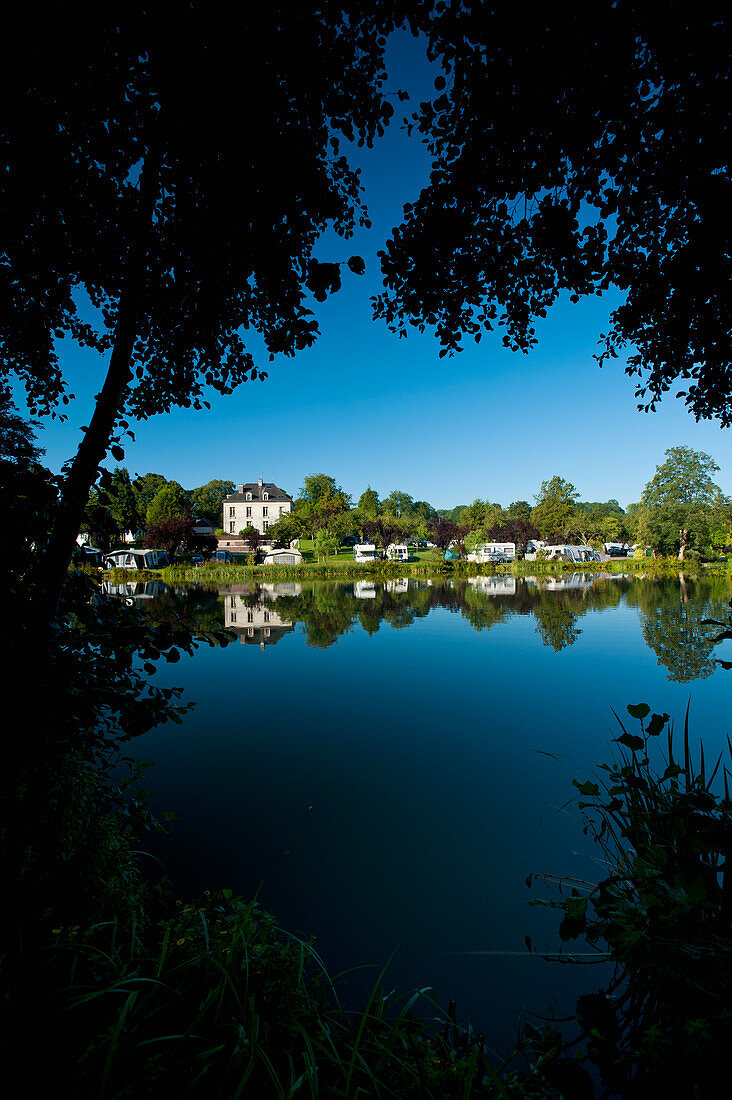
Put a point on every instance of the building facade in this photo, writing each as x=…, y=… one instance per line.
x=255, y=504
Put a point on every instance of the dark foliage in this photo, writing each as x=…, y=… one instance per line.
x=581, y=150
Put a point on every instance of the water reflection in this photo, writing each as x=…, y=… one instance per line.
x=670, y=610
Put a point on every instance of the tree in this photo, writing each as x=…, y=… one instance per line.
x=286, y=529
x=519, y=509
x=252, y=538
x=555, y=513
x=682, y=498
x=474, y=515
x=572, y=153
x=325, y=544
x=443, y=532
x=383, y=531
x=208, y=500
x=320, y=489
x=129, y=181
x=368, y=503
x=398, y=504
x=169, y=532
x=171, y=501
x=519, y=531
x=122, y=501
x=146, y=489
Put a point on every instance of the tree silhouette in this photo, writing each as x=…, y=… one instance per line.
x=584, y=149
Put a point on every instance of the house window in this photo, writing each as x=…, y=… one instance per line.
x=249, y=512
x=232, y=527
x=265, y=511
x=232, y=511
x=233, y=616
x=265, y=525
x=265, y=496
x=250, y=616
x=249, y=496
x=282, y=511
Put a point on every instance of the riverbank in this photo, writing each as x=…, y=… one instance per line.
x=425, y=567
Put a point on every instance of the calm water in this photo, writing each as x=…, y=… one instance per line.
x=384, y=763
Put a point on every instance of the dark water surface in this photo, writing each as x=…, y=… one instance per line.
x=384, y=763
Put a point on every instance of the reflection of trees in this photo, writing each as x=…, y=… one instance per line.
x=555, y=621
x=196, y=608
x=671, y=613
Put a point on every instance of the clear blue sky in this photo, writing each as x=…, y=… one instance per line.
x=371, y=409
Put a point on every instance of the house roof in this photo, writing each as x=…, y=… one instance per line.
x=273, y=492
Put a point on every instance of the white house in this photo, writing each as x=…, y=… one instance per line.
x=256, y=505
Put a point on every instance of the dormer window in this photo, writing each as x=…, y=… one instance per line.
x=265, y=496
x=249, y=496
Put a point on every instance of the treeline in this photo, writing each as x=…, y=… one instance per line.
x=682, y=512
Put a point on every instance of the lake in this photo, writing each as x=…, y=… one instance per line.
x=383, y=763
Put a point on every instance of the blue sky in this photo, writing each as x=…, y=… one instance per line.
x=371, y=409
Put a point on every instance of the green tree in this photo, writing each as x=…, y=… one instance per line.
x=122, y=501
x=368, y=503
x=286, y=529
x=325, y=544
x=146, y=489
x=682, y=499
x=252, y=537
x=398, y=503
x=171, y=501
x=319, y=489
x=555, y=512
x=519, y=509
x=208, y=500
x=474, y=515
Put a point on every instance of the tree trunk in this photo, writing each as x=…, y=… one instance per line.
x=683, y=542
x=109, y=406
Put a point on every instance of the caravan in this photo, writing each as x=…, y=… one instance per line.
x=365, y=551
x=493, y=552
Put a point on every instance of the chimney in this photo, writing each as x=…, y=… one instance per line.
x=260, y=483
x=240, y=488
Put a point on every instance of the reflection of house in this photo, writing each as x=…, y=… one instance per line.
x=256, y=623
x=256, y=505
x=499, y=584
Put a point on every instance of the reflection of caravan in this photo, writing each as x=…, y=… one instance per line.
x=365, y=551
x=399, y=585
x=364, y=590
x=397, y=551
x=483, y=552
x=497, y=584
x=135, y=590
